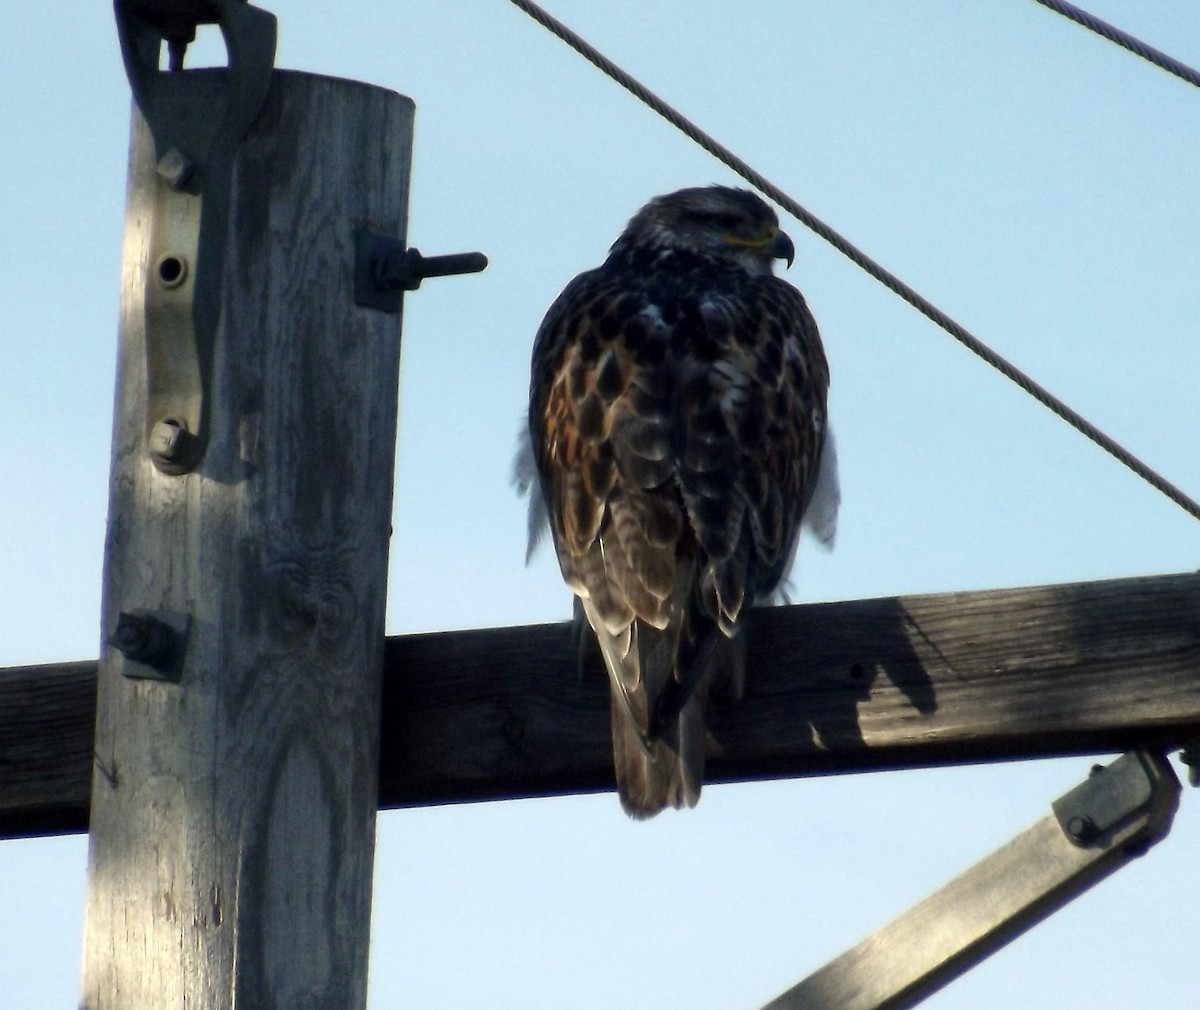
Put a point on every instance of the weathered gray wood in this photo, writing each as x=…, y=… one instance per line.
x=47, y=724
x=232, y=814
x=867, y=684
x=981, y=910
x=861, y=685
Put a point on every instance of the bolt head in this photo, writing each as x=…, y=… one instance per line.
x=1082, y=829
x=143, y=639
x=128, y=636
x=167, y=438
x=175, y=168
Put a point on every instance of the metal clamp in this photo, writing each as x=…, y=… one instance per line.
x=197, y=119
x=1111, y=796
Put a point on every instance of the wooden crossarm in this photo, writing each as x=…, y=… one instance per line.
x=861, y=685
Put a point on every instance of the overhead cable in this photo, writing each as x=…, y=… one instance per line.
x=1124, y=39
x=858, y=257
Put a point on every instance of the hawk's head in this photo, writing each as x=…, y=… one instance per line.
x=715, y=221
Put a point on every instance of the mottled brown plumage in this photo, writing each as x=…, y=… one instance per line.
x=677, y=419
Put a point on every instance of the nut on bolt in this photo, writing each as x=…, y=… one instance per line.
x=1082, y=829
x=175, y=168
x=143, y=639
x=167, y=439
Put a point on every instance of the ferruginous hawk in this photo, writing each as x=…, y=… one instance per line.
x=678, y=434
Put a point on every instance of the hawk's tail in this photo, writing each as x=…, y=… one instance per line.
x=653, y=774
x=660, y=688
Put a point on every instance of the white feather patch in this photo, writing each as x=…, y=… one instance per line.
x=821, y=515
x=525, y=480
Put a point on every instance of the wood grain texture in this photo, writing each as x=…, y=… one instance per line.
x=232, y=814
x=976, y=913
x=47, y=723
x=838, y=687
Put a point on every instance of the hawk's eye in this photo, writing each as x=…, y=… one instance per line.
x=726, y=221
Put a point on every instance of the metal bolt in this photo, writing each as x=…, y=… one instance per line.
x=1082, y=829
x=399, y=270
x=143, y=639
x=167, y=439
x=129, y=636
x=173, y=449
x=175, y=168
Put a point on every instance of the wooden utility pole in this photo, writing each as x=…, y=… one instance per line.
x=238, y=707
x=236, y=746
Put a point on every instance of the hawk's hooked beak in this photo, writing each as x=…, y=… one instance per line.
x=781, y=247
x=774, y=244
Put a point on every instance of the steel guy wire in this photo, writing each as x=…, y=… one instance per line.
x=1124, y=39
x=859, y=258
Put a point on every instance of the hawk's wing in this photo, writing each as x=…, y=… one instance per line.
x=677, y=422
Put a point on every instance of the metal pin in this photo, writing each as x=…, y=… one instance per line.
x=384, y=268
x=404, y=270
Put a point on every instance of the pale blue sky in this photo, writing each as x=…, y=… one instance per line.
x=1035, y=181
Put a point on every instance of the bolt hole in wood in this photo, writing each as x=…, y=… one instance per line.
x=172, y=270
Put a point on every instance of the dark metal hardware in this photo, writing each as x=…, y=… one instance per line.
x=1122, y=810
x=1110, y=796
x=384, y=269
x=1190, y=756
x=197, y=119
x=151, y=643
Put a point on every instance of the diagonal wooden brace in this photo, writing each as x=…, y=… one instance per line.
x=1096, y=828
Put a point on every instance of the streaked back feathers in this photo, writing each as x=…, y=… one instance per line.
x=677, y=416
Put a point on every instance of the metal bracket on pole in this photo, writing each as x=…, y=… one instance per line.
x=197, y=118
x=1096, y=828
x=1110, y=796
